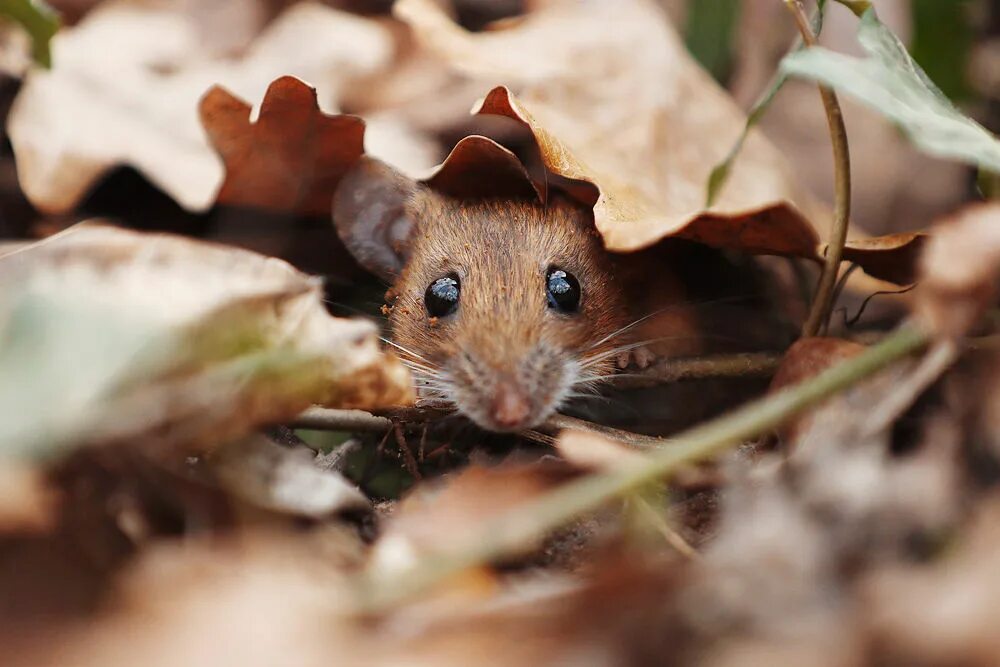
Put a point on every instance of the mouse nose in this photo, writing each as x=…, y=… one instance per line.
x=510, y=407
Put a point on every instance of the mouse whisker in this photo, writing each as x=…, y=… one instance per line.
x=626, y=328
x=660, y=311
x=406, y=350
x=420, y=369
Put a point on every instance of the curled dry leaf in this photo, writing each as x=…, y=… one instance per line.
x=127, y=79
x=291, y=158
x=267, y=475
x=644, y=166
x=478, y=167
x=650, y=158
x=892, y=257
x=111, y=335
x=960, y=270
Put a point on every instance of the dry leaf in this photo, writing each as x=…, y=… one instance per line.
x=893, y=257
x=479, y=167
x=650, y=157
x=112, y=335
x=435, y=518
x=282, y=479
x=125, y=87
x=291, y=158
x=260, y=600
x=960, y=270
x=807, y=358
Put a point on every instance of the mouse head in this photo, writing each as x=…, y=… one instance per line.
x=504, y=307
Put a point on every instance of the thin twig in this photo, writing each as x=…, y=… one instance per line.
x=635, y=440
x=404, y=448
x=822, y=302
x=529, y=521
x=355, y=421
x=937, y=360
x=741, y=365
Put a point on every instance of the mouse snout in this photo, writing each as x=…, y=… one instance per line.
x=511, y=396
x=510, y=406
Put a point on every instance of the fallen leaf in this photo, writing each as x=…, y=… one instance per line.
x=263, y=599
x=643, y=166
x=478, y=167
x=436, y=517
x=807, y=358
x=112, y=335
x=291, y=158
x=282, y=479
x=960, y=270
x=127, y=79
x=893, y=257
x=649, y=159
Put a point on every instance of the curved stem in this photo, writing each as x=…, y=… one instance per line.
x=819, y=312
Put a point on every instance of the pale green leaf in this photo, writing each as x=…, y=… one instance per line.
x=890, y=82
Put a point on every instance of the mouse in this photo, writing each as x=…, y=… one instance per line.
x=505, y=308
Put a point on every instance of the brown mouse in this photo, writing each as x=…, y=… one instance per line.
x=506, y=308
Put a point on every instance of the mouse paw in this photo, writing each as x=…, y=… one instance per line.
x=641, y=357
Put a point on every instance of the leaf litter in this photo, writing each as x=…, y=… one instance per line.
x=145, y=513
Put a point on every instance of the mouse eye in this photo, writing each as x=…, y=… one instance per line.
x=441, y=297
x=562, y=290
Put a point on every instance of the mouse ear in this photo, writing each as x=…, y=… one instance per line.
x=371, y=216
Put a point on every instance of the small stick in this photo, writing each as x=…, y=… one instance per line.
x=819, y=312
x=937, y=360
x=742, y=365
x=324, y=419
x=636, y=440
x=404, y=447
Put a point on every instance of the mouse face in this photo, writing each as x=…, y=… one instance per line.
x=505, y=308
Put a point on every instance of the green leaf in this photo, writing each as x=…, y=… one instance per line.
x=720, y=173
x=890, y=82
x=942, y=43
x=41, y=22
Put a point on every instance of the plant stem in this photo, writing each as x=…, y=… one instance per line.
x=819, y=312
x=533, y=519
